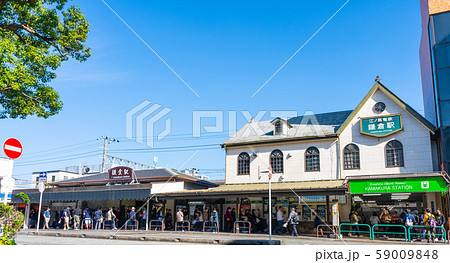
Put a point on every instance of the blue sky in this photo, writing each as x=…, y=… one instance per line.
x=225, y=51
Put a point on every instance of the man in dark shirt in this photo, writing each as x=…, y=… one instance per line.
x=76, y=218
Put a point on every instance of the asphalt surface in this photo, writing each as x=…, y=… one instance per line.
x=23, y=239
x=71, y=237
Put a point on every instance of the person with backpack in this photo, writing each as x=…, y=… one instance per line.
x=408, y=219
x=440, y=221
x=293, y=220
x=430, y=222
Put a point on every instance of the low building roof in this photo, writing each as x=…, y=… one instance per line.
x=303, y=127
x=303, y=187
x=157, y=174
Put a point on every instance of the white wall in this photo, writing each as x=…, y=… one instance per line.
x=414, y=137
x=6, y=167
x=165, y=188
x=294, y=167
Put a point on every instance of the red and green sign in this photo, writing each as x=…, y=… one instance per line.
x=403, y=185
x=382, y=125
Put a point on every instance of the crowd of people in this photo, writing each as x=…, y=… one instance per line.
x=97, y=219
x=92, y=219
x=389, y=220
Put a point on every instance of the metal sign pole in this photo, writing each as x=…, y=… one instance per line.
x=39, y=213
x=41, y=189
x=146, y=215
x=270, y=211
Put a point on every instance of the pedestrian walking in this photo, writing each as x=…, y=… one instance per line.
x=279, y=220
x=215, y=220
x=228, y=220
x=47, y=218
x=67, y=218
x=143, y=218
x=132, y=219
x=111, y=218
x=354, y=219
x=440, y=221
x=87, y=218
x=168, y=219
x=430, y=222
x=77, y=218
x=98, y=216
x=180, y=219
x=374, y=220
x=293, y=220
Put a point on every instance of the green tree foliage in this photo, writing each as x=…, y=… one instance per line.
x=36, y=36
x=24, y=197
x=12, y=222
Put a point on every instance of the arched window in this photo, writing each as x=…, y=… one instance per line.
x=312, y=159
x=276, y=161
x=243, y=164
x=394, y=154
x=351, y=157
x=278, y=128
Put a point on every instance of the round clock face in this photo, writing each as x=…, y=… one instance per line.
x=379, y=107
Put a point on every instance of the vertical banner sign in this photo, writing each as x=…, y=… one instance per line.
x=335, y=213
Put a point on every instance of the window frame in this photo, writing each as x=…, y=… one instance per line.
x=238, y=163
x=274, y=170
x=278, y=128
x=394, y=149
x=352, y=153
x=312, y=155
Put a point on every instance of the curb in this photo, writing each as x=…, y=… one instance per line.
x=163, y=239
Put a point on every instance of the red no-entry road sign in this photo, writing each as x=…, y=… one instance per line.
x=12, y=148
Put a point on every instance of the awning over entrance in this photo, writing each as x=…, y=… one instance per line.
x=400, y=183
x=135, y=194
x=331, y=187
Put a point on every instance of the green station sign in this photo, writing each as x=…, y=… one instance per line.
x=381, y=126
x=404, y=185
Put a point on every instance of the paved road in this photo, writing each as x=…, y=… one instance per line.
x=48, y=237
x=23, y=239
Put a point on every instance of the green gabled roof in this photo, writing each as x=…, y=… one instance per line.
x=379, y=86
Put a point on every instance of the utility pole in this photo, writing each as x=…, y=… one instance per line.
x=106, y=141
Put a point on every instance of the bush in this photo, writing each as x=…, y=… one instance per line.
x=12, y=222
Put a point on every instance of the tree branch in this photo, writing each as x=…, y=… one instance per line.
x=15, y=27
x=4, y=2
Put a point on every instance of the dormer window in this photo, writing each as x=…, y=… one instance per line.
x=278, y=128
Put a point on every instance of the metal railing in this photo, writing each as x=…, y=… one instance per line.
x=237, y=228
x=135, y=225
x=405, y=232
x=156, y=224
x=427, y=234
x=355, y=231
x=109, y=223
x=183, y=226
x=210, y=225
x=331, y=230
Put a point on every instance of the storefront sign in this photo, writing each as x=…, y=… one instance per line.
x=335, y=212
x=382, y=125
x=121, y=173
x=404, y=185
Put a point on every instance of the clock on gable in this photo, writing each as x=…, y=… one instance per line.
x=379, y=107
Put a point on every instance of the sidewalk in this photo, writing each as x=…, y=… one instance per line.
x=214, y=238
